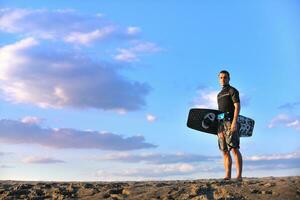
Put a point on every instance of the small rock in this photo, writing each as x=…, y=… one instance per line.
x=47, y=186
x=37, y=198
x=38, y=192
x=85, y=192
x=115, y=196
x=115, y=191
x=24, y=187
x=201, y=197
x=269, y=184
x=161, y=184
x=88, y=185
x=70, y=188
x=266, y=192
x=195, y=190
x=105, y=195
x=255, y=191
x=19, y=192
x=125, y=192
x=168, y=198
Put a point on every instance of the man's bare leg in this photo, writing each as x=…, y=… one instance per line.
x=238, y=162
x=226, y=158
x=227, y=164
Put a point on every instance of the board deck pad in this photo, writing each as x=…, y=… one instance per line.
x=206, y=120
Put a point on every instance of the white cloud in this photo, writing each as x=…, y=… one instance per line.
x=143, y=173
x=5, y=166
x=8, y=17
x=17, y=132
x=273, y=161
x=170, y=166
x=47, y=77
x=294, y=123
x=156, y=158
x=285, y=120
x=87, y=38
x=161, y=170
x=66, y=25
x=278, y=119
x=132, y=30
x=55, y=24
x=206, y=98
x=31, y=120
x=126, y=55
x=132, y=54
x=40, y=160
x=151, y=118
x=292, y=155
x=145, y=47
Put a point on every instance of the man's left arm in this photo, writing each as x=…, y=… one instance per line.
x=237, y=108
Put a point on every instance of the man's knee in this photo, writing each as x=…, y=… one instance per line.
x=235, y=151
x=226, y=154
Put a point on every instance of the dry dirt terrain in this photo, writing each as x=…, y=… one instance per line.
x=282, y=188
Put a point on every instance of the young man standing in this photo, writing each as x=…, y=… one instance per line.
x=228, y=136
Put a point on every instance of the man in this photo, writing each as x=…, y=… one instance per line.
x=228, y=136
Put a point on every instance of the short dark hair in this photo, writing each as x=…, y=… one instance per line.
x=225, y=72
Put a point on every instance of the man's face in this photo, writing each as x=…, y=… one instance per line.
x=223, y=79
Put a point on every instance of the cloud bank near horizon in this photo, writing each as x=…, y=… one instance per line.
x=20, y=132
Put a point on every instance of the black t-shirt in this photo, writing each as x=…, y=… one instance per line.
x=226, y=99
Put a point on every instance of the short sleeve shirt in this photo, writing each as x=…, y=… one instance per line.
x=226, y=99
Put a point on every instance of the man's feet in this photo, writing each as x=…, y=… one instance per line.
x=226, y=178
x=239, y=178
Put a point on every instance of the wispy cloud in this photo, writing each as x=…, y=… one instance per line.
x=16, y=132
x=207, y=98
x=161, y=170
x=5, y=153
x=48, y=77
x=285, y=120
x=88, y=37
x=171, y=166
x=65, y=25
x=151, y=118
x=156, y=158
x=72, y=27
x=133, y=30
x=273, y=161
x=289, y=105
x=154, y=172
x=40, y=160
x=31, y=120
x=5, y=166
x=132, y=54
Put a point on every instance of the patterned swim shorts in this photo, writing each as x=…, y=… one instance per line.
x=230, y=140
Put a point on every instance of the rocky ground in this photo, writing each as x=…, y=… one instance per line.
x=250, y=188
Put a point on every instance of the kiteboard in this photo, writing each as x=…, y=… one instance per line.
x=207, y=120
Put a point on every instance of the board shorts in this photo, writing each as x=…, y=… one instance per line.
x=230, y=140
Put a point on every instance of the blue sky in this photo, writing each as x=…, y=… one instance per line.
x=101, y=90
